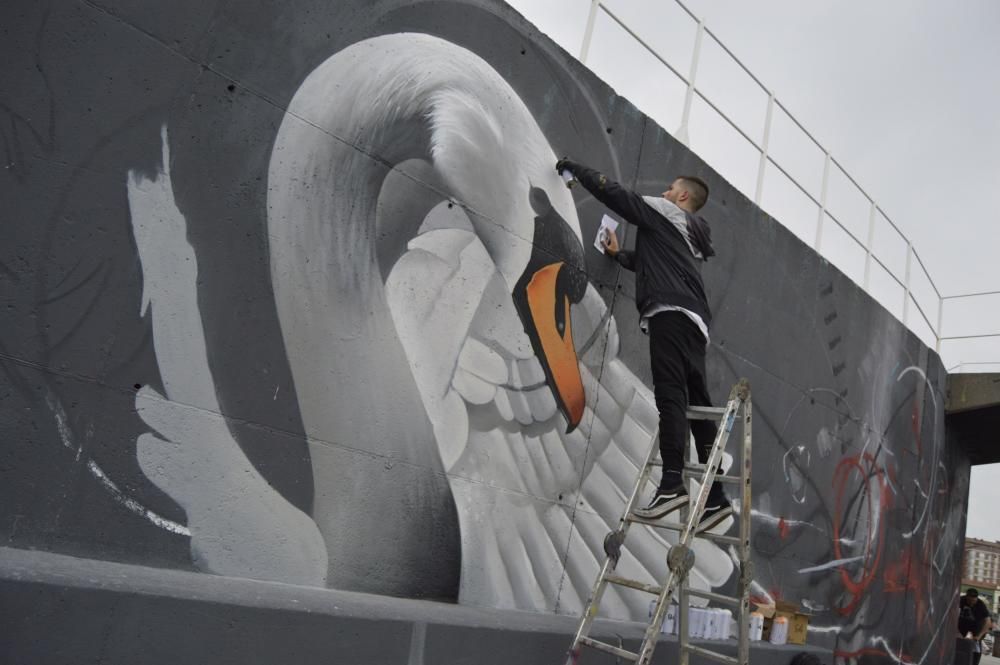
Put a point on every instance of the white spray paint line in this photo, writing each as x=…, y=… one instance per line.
x=888, y=649
x=134, y=505
x=927, y=504
x=776, y=521
x=814, y=607
x=937, y=551
x=800, y=449
x=66, y=436
x=885, y=476
x=832, y=564
x=914, y=368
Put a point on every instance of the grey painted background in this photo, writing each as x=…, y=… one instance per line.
x=151, y=387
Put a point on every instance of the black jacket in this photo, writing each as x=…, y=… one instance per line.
x=666, y=272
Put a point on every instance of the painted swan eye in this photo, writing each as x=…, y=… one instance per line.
x=561, y=311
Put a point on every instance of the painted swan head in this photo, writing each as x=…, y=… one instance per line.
x=397, y=98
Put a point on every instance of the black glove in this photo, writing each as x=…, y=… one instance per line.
x=565, y=164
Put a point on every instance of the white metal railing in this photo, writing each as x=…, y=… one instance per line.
x=906, y=283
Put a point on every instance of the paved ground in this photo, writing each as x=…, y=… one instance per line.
x=990, y=660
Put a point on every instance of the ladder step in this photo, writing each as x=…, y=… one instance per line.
x=677, y=526
x=705, y=412
x=714, y=655
x=634, y=584
x=719, y=538
x=697, y=471
x=717, y=597
x=608, y=648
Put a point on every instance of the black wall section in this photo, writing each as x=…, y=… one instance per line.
x=859, y=505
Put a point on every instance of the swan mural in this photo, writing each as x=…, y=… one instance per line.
x=312, y=308
x=415, y=220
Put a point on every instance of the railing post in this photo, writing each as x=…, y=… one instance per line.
x=589, y=32
x=763, y=149
x=822, y=202
x=937, y=333
x=869, y=247
x=682, y=131
x=906, y=281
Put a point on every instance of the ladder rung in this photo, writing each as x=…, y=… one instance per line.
x=697, y=471
x=677, y=526
x=634, y=584
x=714, y=655
x=717, y=597
x=607, y=648
x=719, y=538
x=669, y=526
x=705, y=412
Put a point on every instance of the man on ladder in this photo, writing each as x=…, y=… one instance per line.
x=674, y=312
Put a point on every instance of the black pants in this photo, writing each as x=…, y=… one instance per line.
x=677, y=355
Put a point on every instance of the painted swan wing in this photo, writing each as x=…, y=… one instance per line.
x=239, y=525
x=534, y=501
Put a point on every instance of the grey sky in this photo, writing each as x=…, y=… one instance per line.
x=903, y=93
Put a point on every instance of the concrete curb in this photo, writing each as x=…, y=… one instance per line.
x=61, y=609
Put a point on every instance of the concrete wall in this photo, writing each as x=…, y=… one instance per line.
x=268, y=314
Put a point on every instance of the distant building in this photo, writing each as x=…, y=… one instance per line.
x=981, y=570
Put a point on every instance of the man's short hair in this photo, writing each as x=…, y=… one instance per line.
x=972, y=593
x=805, y=658
x=697, y=188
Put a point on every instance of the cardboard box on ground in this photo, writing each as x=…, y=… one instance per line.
x=798, y=620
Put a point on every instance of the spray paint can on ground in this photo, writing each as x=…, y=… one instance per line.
x=779, y=630
x=756, y=626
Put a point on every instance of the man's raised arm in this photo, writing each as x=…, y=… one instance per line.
x=620, y=200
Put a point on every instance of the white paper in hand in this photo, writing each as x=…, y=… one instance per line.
x=607, y=224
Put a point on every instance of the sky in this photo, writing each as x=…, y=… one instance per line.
x=903, y=94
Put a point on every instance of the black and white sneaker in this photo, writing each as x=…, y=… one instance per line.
x=714, y=515
x=664, y=502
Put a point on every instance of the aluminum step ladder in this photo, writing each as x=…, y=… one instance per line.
x=680, y=557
